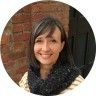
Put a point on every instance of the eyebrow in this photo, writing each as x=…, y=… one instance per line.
x=45, y=37
x=48, y=36
x=38, y=38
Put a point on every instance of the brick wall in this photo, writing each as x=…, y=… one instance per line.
x=14, y=41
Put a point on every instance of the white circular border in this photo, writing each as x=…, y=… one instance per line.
x=8, y=8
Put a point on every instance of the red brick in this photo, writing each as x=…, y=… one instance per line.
x=5, y=58
x=22, y=27
x=21, y=37
x=17, y=18
x=37, y=17
x=17, y=27
x=21, y=69
x=19, y=11
x=21, y=18
x=17, y=55
x=26, y=44
x=27, y=9
x=26, y=17
x=60, y=16
x=11, y=73
x=22, y=61
x=42, y=7
x=25, y=36
x=17, y=37
x=5, y=39
x=9, y=65
x=5, y=49
x=48, y=7
x=12, y=56
x=18, y=46
x=26, y=26
x=15, y=78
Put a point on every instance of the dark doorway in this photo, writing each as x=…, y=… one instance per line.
x=82, y=41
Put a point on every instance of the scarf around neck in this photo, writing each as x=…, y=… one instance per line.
x=60, y=77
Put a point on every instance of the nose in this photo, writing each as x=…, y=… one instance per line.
x=45, y=47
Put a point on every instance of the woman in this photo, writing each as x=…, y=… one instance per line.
x=51, y=69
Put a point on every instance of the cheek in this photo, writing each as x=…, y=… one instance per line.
x=56, y=49
x=56, y=52
x=36, y=48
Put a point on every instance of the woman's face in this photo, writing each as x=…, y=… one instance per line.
x=47, y=48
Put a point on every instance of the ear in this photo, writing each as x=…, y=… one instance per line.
x=62, y=45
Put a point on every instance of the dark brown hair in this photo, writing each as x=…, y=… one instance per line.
x=50, y=23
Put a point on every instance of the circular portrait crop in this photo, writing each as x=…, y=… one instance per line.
x=48, y=48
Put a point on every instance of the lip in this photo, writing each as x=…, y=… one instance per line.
x=45, y=56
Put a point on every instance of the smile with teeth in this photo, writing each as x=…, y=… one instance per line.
x=45, y=56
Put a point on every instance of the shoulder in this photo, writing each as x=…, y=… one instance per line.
x=23, y=83
x=74, y=84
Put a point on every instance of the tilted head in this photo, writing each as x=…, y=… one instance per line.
x=48, y=42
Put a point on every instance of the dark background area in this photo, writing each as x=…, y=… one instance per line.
x=82, y=41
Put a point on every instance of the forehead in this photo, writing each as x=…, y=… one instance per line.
x=47, y=34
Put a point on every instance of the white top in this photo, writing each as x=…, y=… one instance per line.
x=24, y=83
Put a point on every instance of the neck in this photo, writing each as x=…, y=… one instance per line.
x=45, y=70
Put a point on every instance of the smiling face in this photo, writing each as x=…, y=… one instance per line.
x=47, y=48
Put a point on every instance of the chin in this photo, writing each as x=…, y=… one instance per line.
x=46, y=63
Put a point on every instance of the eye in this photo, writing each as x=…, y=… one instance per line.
x=53, y=40
x=38, y=41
